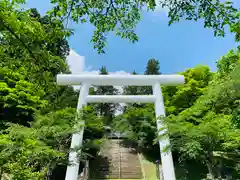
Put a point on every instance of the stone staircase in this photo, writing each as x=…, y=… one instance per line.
x=116, y=162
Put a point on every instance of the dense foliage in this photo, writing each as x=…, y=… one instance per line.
x=37, y=117
x=202, y=119
x=107, y=110
x=209, y=129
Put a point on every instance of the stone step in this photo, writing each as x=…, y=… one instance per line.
x=136, y=165
x=117, y=169
x=128, y=157
x=107, y=169
x=131, y=175
x=106, y=175
x=130, y=160
x=130, y=169
x=117, y=157
x=131, y=172
x=130, y=166
x=111, y=176
x=106, y=172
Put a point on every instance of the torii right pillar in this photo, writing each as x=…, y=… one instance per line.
x=166, y=155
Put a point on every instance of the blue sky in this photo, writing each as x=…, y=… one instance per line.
x=178, y=47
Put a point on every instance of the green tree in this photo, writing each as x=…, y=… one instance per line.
x=23, y=156
x=132, y=90
x=153, y=68
x=205, y=129
x=139, y=125
x=19, y=99
x=208, y=130
x=228, y=62
x=93, y=132
x=39, y=45
x=32, y=52
x=26, y=39
x=59, y=47
x=181, y=97
x=30, y=152
x=235, y=28
x=106, y=109
x=139, y=122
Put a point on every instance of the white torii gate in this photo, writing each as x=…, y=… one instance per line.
x=122, y=80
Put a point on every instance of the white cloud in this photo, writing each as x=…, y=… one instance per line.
x=159, y=13
x=159, y=9
x=76, y=62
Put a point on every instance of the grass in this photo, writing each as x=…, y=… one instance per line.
x=150, y=169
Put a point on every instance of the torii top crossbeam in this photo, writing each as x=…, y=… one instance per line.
x=120, y=80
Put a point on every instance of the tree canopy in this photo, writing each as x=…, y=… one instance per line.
x=121, y=16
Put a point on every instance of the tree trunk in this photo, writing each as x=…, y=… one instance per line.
x=210, y=169
x=1, y=173
x=49, y=173
x=210, y=164
x=219, y=168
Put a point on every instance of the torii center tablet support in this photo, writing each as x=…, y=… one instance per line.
x=122, y=80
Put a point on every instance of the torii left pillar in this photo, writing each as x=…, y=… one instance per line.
x=72, y=171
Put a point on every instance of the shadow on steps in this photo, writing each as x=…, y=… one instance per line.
x=99, y=167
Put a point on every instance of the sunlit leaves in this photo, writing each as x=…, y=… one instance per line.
x=23, y=155
x=122, y=16
x=138, y=124
x=212, y=123
x=20, y=99
x=32, y=51
x=39, y=43
x=228, y=62
x=215, y=13
x=181, y=97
